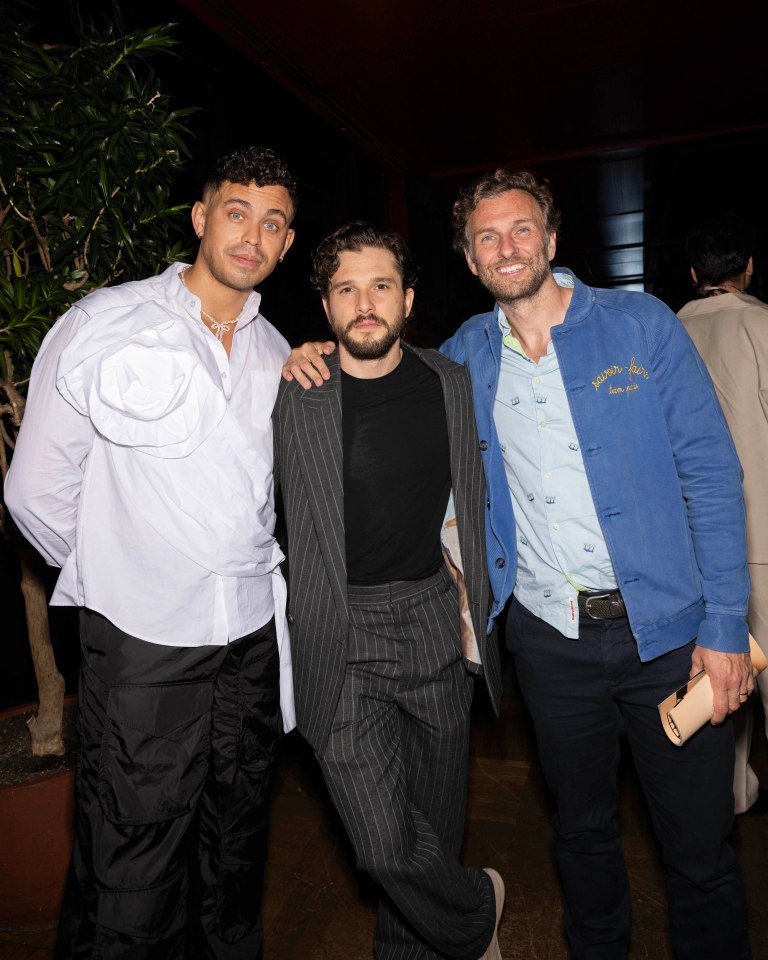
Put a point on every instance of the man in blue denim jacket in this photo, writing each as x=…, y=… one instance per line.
x=615, y=514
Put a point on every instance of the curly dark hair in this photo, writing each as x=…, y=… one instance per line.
x=720, y=249
x=493, y=185
x=258, y=165
x=355, y=236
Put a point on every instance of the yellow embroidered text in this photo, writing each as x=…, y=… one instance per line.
x=608, y=372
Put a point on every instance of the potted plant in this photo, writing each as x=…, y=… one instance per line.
x=90, y=150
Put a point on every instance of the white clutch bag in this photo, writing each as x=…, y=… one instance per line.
x=691, y=706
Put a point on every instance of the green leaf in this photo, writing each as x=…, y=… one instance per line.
x=76, y=124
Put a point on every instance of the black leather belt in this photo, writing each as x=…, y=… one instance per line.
x=602, y=606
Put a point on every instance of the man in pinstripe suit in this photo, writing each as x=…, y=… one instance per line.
x=384, y=501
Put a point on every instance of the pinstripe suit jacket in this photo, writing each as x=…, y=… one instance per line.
x=308, y=466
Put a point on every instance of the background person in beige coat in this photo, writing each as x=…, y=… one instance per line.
x=730, y=331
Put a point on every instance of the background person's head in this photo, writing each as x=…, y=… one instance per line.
x=720, y=254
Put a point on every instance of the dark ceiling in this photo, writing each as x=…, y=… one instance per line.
x=646, y=116
x=633, y=108
x=444, y=89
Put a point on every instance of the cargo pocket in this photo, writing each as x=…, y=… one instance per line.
x=154, y=754
x=156, y=913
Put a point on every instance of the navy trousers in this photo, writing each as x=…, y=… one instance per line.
x=583, y=695
x=175, y=750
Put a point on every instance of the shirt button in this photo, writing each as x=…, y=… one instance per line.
x=500, y=562
x=548, y=475
x=224, y=375
x=555, y=526
x=483, y=444
x=537, y=379
x=543, y=424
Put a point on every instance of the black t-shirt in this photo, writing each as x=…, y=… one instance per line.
x=397, y=473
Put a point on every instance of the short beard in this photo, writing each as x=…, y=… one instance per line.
x=370, y=347
x=514, y=292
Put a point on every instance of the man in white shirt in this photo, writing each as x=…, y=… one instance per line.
x=144, y=470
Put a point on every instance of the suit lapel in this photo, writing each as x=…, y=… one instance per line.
x=317, y=429
x=466, y=484
x=457, y=428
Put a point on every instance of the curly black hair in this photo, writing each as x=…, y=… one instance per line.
x=719, y=249
x=258, y=165
x=355, y=236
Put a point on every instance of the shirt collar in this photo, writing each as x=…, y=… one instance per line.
x=508, y=338
x=562, y=278
x=171, y=279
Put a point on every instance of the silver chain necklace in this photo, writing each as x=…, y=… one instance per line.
x=218, y=329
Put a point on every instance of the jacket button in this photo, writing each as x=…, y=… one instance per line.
x=500, y=562
x=483, y=444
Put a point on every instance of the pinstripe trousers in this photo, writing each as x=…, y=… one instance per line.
x=396, y=768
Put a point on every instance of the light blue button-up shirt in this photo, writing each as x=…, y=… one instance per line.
x=560, y=545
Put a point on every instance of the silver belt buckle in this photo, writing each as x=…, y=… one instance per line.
x=588, y=600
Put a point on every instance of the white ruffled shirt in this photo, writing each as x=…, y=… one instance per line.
x=144, y=467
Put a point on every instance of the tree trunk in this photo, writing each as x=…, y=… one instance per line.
x=44, y=728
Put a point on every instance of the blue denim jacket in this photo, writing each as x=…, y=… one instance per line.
x=660, y=462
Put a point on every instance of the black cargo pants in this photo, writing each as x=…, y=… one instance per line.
x=175, y=751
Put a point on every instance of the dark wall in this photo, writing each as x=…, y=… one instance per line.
x=673, y=185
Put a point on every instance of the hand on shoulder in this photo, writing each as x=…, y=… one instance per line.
x=306, y=365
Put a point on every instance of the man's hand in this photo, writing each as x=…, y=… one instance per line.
x=306, y=364
x=730, y=675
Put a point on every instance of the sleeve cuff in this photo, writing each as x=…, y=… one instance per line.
x=726, y=633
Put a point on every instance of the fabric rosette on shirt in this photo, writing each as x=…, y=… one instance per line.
x=145, y=380
x=150, y=385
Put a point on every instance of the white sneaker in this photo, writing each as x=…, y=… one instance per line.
x=493, y=952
